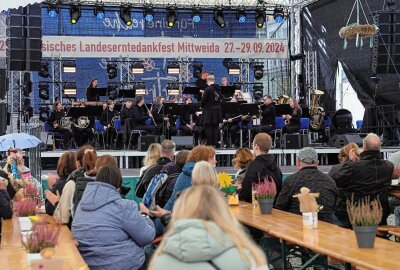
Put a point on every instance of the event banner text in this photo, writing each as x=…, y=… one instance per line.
x=162, y=47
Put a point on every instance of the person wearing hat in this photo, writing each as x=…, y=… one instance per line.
x=316, y=181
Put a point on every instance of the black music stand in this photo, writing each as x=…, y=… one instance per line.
x=249, y=109
x=228, y=91
x=76, y=112
x=192, y=90
x=127, y=93
x=102, y=92
x=282, y=109
x=230, y=107
x=172, y=108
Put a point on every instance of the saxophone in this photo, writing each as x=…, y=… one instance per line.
x=316, y=111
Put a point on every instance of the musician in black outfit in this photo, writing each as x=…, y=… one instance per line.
x=165, y=123
x=126, y=121
x=54, y=121
x=83, y=135
x=268, y=114
x=190, y=123
x=293, y=119
x=231, y=124
x=201, y=83
x=107, y=120
x=140, y=115
x=91, y=91
x=211, y=106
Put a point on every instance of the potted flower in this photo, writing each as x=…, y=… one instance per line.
x=24, y=209
x=228, y=188
x=40, y=241
x=265, y=194
x=365, y=215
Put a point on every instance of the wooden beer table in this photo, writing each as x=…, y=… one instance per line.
x=330, y=240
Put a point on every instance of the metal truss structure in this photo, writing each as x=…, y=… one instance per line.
x=296, y=47
x=15, y=100
x=312, y=74
x=244, y=76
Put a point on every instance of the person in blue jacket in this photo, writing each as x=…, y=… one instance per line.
x=110, y=230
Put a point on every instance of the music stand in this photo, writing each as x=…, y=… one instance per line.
x=282, y=109
x=193, y=107
x=228, y=91
x=172, y=108
x=192, y=90
x=249, y=109
x=102, y=92
x=230, y=107
x=127, y=93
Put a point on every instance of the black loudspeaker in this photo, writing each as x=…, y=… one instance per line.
x=145, y=141
x=183, y=141
x=294, y=141
x=342, y=140
x=3, y=83
x=33, y=34
x=3, y=118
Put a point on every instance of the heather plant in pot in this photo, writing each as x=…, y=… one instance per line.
x=41, y=241
x=265, y=194
x=26, y=208
x=365, y=216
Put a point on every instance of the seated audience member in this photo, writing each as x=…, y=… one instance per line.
x=242, y=160
x=203, y=234
x=110, y=230
x=63, y=210
x=90, y=176
x=348, y=152
x=152, y=155
x=263, y=165
x=395, y=202
x=369, y=176
x=66, y=165
x=10, y=189
x=201, y=152
x=5, y=206
x=309, y=176
x=167, y=155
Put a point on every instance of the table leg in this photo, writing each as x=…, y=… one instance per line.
x=284, y=261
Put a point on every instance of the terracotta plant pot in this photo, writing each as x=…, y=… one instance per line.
x=266, y=205
x=365, y=236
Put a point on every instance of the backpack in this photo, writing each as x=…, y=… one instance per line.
x=143, y=182
x=161, y=200
x=149, y=198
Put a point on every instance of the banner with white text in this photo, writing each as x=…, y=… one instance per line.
x=161, y=47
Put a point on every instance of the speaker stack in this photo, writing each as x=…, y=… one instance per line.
x=24, y=50
x=145, y=141
x=339, y=141
x=294, y=141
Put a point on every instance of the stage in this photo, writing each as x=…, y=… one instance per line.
x=131, y=159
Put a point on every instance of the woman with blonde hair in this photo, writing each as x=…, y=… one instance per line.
x=152, y=155
x=348, y=152
x=203, y=234
x=243, y=157
x=204, y=174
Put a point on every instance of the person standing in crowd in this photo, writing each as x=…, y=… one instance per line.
x=211, y=106
x=107, y=120
x=62, y=213
x=263, y=165
x=292, y=120
x=91, y=91
x=140, y=115
x=66, y=165
x=55, y=123
x=268, y=115
x=242, y=160
x=201, y=83
x=126, y=122
x=309, y=176
x=151, y=157
x=166, y=156
x=207, y=226
x=348, y=152
x=370, y=176
x=110, y=230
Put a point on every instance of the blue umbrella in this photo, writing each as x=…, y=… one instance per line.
x=18, y=140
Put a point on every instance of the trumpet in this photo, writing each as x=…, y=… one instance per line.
x=151, y=116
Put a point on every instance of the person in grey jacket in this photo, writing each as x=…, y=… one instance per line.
x=205, y=236
x=110, y=230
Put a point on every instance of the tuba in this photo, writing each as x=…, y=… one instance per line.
x=83, y=122
x=316, y=111
x=283, y=99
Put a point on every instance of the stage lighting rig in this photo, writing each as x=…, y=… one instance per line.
x=53, y=9
x=196, y=14
x=197, y=69
x=75, y=13
x=172, y=15
x=140, y=88
x=173, y=88
x=148, y=13
x=70, y=89
x=44, y=92
x=44, y=70
x=258, y=91
x=99, y=11
x=125, y=14
x=69, y=66
x=258, y=70
x=233, y=68
x=112, y=70
x=279, y=15
x=137, y=67
x=113, y=91
x=260, y=17
x=241, y=15
x=173, y=68
x=44, y=113
x=219, y=17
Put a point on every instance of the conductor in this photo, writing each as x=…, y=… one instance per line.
x=211, y=105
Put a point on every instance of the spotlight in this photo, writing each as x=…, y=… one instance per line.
x=219, y=17
x=140, y=88
x=173, y=89
x=241, y=15
x=113, y=91
x=27, y=89
x=75, y=13
x=279, y=16
x=148, y=13
x=125, y=14
x=137, y=68
x=233, y=68
x=53, y=10
x=258, y=71
x=69, y=67
x=196, y=15
x=44, y=91
x=112, y=71
x=197, y=69
x=44, y=113
x=258, y=91
x=70, y=89
x=44, y=70
x=173, y=68
x=260, y=18
x=171, y=16
x=99, y=12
